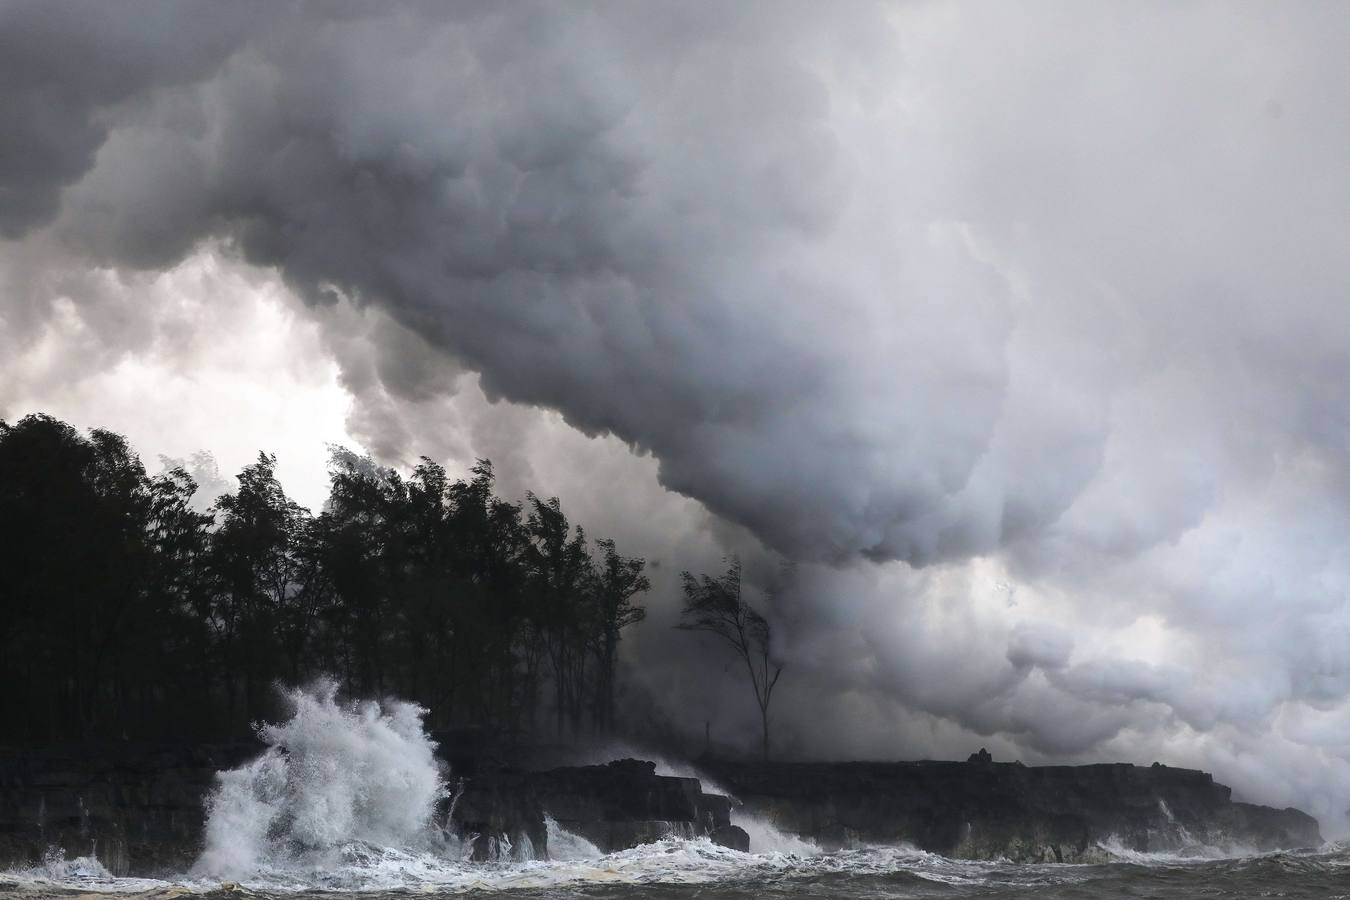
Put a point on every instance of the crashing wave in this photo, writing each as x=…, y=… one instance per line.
x=334, y=776
x=345, y=798
x=365, y=868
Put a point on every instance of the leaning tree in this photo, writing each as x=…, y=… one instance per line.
x=717, y=606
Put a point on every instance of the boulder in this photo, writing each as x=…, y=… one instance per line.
x=732, y=836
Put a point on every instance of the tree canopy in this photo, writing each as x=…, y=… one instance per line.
x=128, y=613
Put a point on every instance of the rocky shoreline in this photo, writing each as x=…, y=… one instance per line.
x=139, y=808
x=980, y=809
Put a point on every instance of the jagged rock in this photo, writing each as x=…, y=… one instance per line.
x=501, y=803
x=732, y=836
x=981, y=809
x=614, y=806
x=139, y=808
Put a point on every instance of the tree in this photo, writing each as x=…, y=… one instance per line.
x=618, y=581
x=254, y=563
x=494, y=649
x=363, y=559
x=96, y=565
x=129, y=612
x=561, y=571
x=717, y=606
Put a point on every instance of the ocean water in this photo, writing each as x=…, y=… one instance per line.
x=699, y=869
x=349, y=801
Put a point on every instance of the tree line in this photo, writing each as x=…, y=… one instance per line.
x=129, y=613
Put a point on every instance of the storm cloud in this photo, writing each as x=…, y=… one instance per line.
x=1020, y=329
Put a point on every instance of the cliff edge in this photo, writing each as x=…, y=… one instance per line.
x=980, y=809
x=140, y=808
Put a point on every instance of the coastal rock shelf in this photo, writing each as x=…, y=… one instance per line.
x=613, y=806
x=984, y=810
x=139, y=808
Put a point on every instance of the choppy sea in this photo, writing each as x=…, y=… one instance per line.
x=697, y=868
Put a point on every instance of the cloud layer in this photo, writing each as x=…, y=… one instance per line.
x=1021, y=330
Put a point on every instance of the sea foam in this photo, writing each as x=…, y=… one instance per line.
x=334, y=776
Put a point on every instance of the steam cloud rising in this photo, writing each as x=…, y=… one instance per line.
x=1021, y=329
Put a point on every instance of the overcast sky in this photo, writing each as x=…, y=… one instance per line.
x=1020, y=329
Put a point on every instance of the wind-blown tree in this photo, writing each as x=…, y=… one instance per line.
x=96, y=562
x=561, y=573
x=128, y=613
x=364, y=565
x=424, y=620
x=618, y=581
x=718, y=606
x=254, y=564
x=495, y=651
x=168, y=669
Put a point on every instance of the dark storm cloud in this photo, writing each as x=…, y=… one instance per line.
x=572, y=204
x=701, y=233
x=67, y=68
x=1044, y=294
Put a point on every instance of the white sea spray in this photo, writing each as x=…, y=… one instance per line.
x=333, y=775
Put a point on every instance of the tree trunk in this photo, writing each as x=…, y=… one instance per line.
x=764, y=721
x=611, y=648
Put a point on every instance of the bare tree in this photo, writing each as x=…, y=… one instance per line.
x=716, y=605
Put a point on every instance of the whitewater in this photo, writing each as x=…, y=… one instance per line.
x=349, y=799
x=698, y=868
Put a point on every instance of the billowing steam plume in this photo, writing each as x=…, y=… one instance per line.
x=1020, y=328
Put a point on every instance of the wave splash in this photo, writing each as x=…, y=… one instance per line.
x=654, y=869
x=346, y=798
x=334, y=779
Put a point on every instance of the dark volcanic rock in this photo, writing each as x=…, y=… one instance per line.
x=732, y=836
x=140, y=808
x=137, y=807
x=982, y=809
x=489, y=806
x=614, y=806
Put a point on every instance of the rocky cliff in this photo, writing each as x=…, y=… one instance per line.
x=614, y=806
x=981, y=809
x=139, y=808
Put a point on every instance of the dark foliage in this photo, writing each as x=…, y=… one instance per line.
x=128, y=614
